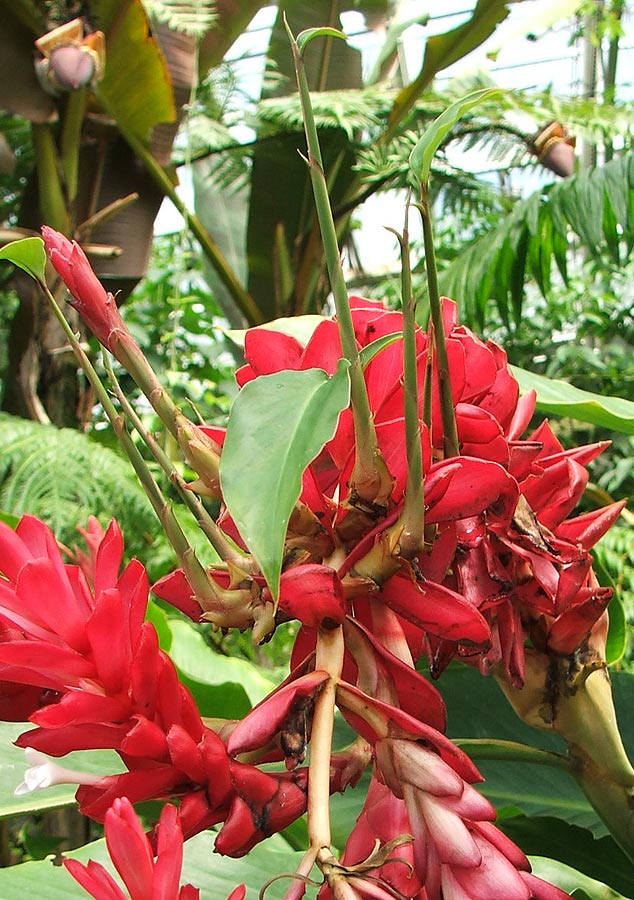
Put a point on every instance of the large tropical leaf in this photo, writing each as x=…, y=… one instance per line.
x=562, y=399
x=443, y=50
x=215, y=875
x=593, y=209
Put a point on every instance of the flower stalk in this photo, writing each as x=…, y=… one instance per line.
x=411, y=522
x=329, y=658
x=370, y=480
x=439, y=342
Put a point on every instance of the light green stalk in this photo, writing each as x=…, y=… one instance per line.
x=411, y=522
x=225, y=608
x=438, y=345
x=370, y=478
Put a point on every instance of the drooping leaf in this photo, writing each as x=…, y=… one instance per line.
x=563, y=399
x=215, y=875
x=592, y=208
x=28, y=254
x=278, y=424
x=444, y=49
x=421, y=157
x=136, y=89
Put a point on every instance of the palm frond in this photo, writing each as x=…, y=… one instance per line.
x=193, y=17
x=63, y=477
x=594, y=209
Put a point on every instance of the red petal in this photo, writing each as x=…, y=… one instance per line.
x=129, y=849
x=313, y=594
x=436, y=609
x=572, y=627
x=266, y=719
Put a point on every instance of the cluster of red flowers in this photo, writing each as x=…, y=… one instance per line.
x=501, y=564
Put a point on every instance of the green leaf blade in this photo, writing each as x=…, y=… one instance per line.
x=563, y=399
x=304, y=37
x=278, y=425
x=421, y=157
x=28, y=254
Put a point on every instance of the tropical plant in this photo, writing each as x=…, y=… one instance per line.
x=375, y=487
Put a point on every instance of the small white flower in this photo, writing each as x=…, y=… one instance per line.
x=45, y=772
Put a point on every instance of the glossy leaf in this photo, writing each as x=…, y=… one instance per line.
x=601, y=859
x=422, y=155
x=477, y=708
x=562, y=399
x=278, y=425
x=223, y=686
x=28, y=254
x=215, y=875
x=136, y=89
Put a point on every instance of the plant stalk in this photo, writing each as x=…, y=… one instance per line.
x=412, y=518
x=49, y=179
x=71, y=140
x=439, y=342
x=210, y=529
x=370, y=478
x=329, y=658
x=211, y=596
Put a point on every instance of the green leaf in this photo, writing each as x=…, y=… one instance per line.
x=13, y=766
x=421, y=157
x=563, y=399
x=443, y=50
x=28, y=254
x=215, y=875
x=136, y=89
x=278, y=425
x=477, y=708
x=367, y=353
x=617, y=630
x=299, y=327
x=601, y=859
x=224, y=686
x=304, y=37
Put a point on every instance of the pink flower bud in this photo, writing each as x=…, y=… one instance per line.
x=94, y=304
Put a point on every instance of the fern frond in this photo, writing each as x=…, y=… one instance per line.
x=594, y=208
x=63, y=477
x=193, y=17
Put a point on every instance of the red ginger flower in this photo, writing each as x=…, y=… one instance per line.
x=96, y=306
x=145, y=877
x=456, y=851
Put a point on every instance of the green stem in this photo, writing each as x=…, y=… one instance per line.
x=207, y=592
x=243, y=300
x=512, y=751
x=217, y=539
x=49, y=179
x=329, y=658
x=412, y=519
x=368, y=478
x=439, y=339
x=71, y=140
